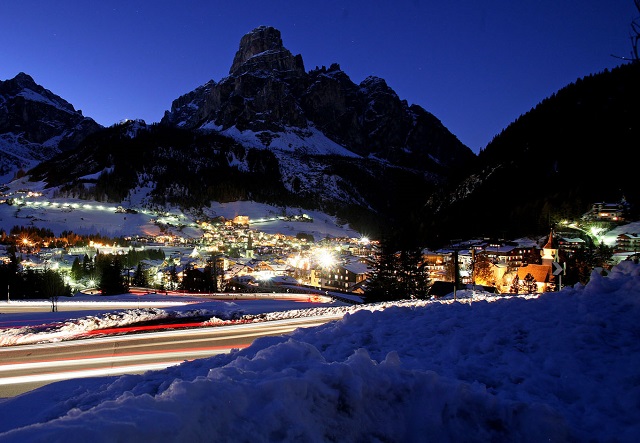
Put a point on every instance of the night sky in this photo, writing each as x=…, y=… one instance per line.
x=476, y=65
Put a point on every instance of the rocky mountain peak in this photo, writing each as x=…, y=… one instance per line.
x=268, y=98
x=36, y=124
x=24, y=80
x=262, y=49
x=23, y=86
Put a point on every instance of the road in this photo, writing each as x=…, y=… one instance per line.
x=24, y=368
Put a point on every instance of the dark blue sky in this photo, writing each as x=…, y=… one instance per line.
x=476, y=65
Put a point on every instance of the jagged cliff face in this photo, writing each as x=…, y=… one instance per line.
x=268, y=132
x=262, y=50
x=272, y=133
x=268, y=98
x=35, y=125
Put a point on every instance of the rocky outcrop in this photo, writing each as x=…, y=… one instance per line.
x=262, y=50
x=35, y=125
x=269, y=93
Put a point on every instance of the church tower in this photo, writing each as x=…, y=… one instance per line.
x=549, y=252
x=249, y=250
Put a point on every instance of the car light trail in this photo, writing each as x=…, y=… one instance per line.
x=111, y=359
x=112, y=367
x=57, y=376
x=27, y=367
x=129, y=329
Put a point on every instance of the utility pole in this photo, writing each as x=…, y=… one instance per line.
x=456, y=272
x=455, y=246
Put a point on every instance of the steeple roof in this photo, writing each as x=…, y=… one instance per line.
x=550, y=242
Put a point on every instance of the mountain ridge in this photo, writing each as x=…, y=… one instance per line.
x=315, y=140
x=575, y=148
x=36, y=125
x=268, y=91
x=363, y=154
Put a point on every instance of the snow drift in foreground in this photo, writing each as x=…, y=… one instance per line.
x=558, y=367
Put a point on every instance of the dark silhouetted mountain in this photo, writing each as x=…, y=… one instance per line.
x=35, y=125
x=160, y=165
x=578, y=147
x=273, y=133
x=269, y=100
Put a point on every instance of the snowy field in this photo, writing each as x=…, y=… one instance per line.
x=560, y=367
x=87, y=217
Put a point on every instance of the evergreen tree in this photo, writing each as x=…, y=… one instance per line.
x=384, y=284
x=140, y=277
x=412, y=276
x=88, y=267
x=192, y=280
x=581, y=263
x=515, y=285
x=212, y=273
x=529, y=284
x=77, y=272
x=30, y=284
x=173, y=277
x=602, y=256
x=111, y=279
x=9, y=279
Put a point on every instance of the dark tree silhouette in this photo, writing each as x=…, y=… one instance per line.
x=399, y=273
x=111, y=279
x=53, y=287
x=140, y=277
x=635, y=34
x=515, y=285
x=529, y=284
x=384, y=279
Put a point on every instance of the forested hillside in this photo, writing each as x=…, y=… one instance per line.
x=575, y=148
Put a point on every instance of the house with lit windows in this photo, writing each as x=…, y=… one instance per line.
x=570, y=245
x=614, y=212
x=344, y=276
x=627, y=242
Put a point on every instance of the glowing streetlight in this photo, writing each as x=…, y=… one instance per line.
x=325, y=258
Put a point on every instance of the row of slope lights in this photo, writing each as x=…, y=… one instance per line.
x=69, y=205
x=88, y=206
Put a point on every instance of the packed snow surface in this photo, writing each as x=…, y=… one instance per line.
x=556, y=367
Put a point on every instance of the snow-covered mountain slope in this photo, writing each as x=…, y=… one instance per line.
x=35, y=125
x=34, y=205
x=270, y=132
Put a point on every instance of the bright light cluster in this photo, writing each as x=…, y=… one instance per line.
x=325, y=258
